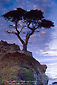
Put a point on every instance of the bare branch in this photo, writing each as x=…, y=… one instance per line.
x=20, y=38
x=11, y=32
x=33, y=28
x=16, y=27
x=17, y=31
x=37, y=31
x=11, y=26
x=29, y=26
x=21, y=29
x=28, y=36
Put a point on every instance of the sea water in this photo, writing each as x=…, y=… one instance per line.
x=51, y=72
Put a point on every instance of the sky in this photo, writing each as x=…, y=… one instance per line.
x=43, y=45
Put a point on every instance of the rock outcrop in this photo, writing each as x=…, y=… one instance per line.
x=6, y=47
x=20, y=68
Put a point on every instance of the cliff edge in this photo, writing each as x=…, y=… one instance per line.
x=20, y=69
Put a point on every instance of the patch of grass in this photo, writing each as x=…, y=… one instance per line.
x=10, y=74
x=18, y=64
x=29, y=77
x=28, y=74
x=7, y=74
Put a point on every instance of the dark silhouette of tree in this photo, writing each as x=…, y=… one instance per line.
x=27, y=22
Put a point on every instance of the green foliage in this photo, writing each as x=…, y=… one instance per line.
x=9, y=74
x=28, y=74
x=21, y=65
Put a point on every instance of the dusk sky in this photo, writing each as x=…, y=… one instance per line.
x=44, y=43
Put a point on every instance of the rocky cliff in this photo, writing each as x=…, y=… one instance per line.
x=18, y=68
x=5, y=47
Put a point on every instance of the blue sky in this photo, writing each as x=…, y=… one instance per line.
x=44, y=44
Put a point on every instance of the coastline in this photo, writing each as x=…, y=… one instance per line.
x=51, y=81
x=51, y=71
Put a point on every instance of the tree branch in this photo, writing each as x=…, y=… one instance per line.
x=11, y=32
x=28, y=36
x=18, y=33
x=29, y=26
x=20, y=38
x=16, y=27
x=11, y=26
x=22, y=29
x=33, y=27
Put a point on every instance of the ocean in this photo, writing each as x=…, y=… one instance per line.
x=51, y=72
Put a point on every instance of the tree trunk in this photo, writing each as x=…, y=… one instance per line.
x=24, y=47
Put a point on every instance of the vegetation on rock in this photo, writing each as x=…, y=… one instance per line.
x=16, y=68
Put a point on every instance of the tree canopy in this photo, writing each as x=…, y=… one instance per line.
x=15, y=15
x=26, y=22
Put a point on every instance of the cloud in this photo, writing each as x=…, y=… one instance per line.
x=40, y=42
x=50, y=53
x=50, y=59
x=35, y=6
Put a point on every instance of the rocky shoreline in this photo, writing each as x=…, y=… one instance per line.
x=19, y=66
